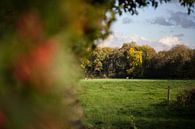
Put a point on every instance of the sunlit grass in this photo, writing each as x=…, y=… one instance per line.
x=111, y=103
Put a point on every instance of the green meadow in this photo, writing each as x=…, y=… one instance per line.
x=135, y=103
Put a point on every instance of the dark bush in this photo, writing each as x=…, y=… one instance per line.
x=187, y=97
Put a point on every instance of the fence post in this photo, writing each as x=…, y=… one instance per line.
x=168, y=94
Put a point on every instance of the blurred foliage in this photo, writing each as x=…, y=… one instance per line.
x=39, y=71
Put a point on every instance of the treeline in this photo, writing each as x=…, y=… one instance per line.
x=134, y=61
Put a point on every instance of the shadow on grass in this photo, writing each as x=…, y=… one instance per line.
x=174, y=110
x=114, y=124
x=168, y=116
x=155, y=116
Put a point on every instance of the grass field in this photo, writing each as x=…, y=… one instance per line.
x=117, y=103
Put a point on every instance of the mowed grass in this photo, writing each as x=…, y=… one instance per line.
x=115, y=103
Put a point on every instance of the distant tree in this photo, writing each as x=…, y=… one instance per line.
x=94, y=64
x=135, y=62
x=132, y=60
x=148, y=53
x=173, y=63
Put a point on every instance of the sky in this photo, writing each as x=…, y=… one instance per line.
x=161, y=28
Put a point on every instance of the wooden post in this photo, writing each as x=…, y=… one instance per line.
x=168, y=94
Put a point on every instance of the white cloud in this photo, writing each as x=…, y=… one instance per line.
x=117, y=40
x=170, y=41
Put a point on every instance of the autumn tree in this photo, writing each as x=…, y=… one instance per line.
x=135, y=62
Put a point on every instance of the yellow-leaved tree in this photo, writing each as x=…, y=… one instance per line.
x=135, y=58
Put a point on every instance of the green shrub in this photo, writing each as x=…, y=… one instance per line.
x=187, y=97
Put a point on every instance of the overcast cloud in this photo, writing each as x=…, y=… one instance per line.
x=127, y=20
x=180, y=19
